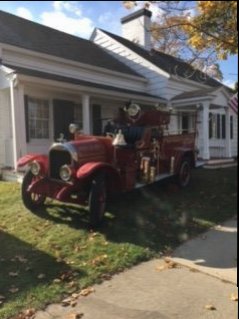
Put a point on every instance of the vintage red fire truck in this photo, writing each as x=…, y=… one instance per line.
x=88, y=169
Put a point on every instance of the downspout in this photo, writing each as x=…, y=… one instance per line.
x=13, y=84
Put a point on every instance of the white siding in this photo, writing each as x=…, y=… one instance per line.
x=157, y=79
x=177, y=87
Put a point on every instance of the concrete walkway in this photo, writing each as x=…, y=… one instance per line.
x=198, y=282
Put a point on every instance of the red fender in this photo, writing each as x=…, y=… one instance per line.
x=41, y=159
x=91, y=168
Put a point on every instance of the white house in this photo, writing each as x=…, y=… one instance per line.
x=49, y=79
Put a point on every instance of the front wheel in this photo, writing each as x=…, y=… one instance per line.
x=32, y=201
x=97, y=200
x=184, y=175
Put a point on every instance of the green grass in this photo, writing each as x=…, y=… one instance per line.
x=53, y=253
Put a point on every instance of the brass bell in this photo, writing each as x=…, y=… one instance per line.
x=119, y=139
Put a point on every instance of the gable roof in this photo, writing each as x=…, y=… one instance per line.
x=36, y=37
x=167, y=63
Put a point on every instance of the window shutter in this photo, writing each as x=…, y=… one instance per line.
x=26, y=118
x=96, y=116
x=231, y=126
x=218, y=126
x=210, y=125
x=223, y=126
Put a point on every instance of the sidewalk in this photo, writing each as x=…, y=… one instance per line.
x=200, y=275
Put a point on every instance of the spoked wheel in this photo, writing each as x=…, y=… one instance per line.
x=32, y=201
x=97, y=200
x=184, y=176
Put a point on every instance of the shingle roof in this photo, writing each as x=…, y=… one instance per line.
x=168, y=63
x=59, y=78
x=33, y=36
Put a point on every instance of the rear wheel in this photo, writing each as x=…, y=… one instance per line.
x=97, y=200
x=32, y=201
x=184, y=175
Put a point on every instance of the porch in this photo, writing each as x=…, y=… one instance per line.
x=214, y=122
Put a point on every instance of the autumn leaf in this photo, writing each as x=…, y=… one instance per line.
x=41, y=276
x=210, y=307
x=74, y=315
x=13, y=274
x=21, y=259
x=234, y=296
x=13, y=290
x=66, y=302
x=85, y=292
x=99, y=260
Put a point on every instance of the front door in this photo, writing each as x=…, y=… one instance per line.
x=63, y=115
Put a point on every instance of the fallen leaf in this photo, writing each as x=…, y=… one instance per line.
x=74, y=315
x=41, y=276
x=160, y=268
x=21, y=259
x=57, y=281
x=170, y=263
x=234, y=296
x=85, y=292
x=210, y=307
x=99, y=260
x=30, y=312
x=66, y=302
x=13, y=290
x=13, y=274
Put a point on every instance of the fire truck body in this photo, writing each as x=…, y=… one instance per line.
x=88, y=169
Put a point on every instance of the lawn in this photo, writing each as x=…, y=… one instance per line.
x=48, y=255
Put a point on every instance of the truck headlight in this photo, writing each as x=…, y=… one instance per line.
x=35, y=168
x=65, y=173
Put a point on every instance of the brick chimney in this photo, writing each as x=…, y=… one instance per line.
x=136, y=26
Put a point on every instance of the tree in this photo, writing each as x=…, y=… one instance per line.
x=201, y=33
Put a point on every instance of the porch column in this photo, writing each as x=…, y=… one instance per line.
x=205, y=130
x=228, y=133
x=86, y=114
x=18, y=121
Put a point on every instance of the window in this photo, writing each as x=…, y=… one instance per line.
x=217, y=126
x=38, y=117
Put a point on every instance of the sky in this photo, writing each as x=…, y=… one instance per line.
x=81, y=17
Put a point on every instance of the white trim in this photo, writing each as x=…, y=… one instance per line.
x=151, y=66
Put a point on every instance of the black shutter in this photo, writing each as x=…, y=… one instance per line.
x=231, y=126
x=218, y=126
x=96, y=115
x=210, y=125
x=223, y=126
x=63, y=116
x=26, y=118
